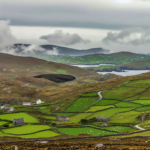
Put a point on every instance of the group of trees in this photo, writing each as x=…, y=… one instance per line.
x=86, y=121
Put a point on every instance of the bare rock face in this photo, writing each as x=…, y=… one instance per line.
x=99, y=145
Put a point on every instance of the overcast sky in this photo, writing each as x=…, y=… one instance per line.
x=117, y=25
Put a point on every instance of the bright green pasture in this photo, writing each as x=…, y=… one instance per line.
x=11, y=124
x=45, y=110
x=144, y=133
x=63, y=114
x=109, y=112
x=126, y=117
x=42, y=134
x=75, y=119
x=81, y=104
x=26, y=129
x=47, y=117
x=139, y=83
x=143, y=108
x=127, y=104
x=122, y=92
x=26, y=117
x=132, y=98
x=144, y=102
x=87, y=130
x=2, y=123
x=145, y=95
x=96, y=108
x=117, y=128
x=89, y=94
x=61, y=71
x=106, y=102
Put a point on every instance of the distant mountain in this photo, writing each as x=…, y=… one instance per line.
x=55, y=50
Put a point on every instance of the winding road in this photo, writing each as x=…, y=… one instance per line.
x=139, y=127
x=100, y=97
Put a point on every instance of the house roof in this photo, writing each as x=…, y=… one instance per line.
x=62, y=116
x=18, y=120
x=38, y=100
x=98, y=117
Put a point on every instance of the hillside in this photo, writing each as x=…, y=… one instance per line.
x=119, y=58
x=54, y=49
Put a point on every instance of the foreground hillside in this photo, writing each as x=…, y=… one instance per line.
x=125, y=100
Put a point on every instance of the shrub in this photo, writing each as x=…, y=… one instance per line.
x=84, y=121
x=6, y=125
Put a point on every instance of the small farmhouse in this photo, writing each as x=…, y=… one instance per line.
x=62, y=118
x=18, y=121
x=11, y=108
x=102, y=118
x=39, y=101
x=23, y=103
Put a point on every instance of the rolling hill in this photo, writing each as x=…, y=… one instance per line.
x=56, y=50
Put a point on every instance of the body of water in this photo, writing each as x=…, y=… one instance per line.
x=126, y=73
x=83, y=66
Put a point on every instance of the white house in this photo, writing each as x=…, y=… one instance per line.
x=11, y=108
x=39, y=101
x=23, y=103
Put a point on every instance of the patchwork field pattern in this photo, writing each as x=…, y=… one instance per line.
x=26, y=129
x=86, y=130
x=26, y=117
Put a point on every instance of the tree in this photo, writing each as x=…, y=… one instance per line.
x=84, y=121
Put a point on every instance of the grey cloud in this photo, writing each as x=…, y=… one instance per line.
x=134, y=36
x=6, y=38
x=74, y=16
x=59, y=37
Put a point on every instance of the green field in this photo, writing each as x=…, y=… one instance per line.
x=127, y=104
x=126, y=117
x=89, y=94
x=63, y=114
x=109, y=112
x=117, y=128
x=96, y=108
x=42, y=134
x=145, y=95
x=61, y=71
x=139, y=83
x=106, y=102
x=2, y=123
x=79, y=104
x=26, y=129
x=26, y=117
x=122, y=92
x=143, y=108
x=144, y=102
x=87, y=130
x=75, y=119
x=132, y=98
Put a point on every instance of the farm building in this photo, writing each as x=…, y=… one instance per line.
x=62, y=118
x=23, y=103
x=39, y=101
x=18, y=121
x=11, y=108
x=102, y=118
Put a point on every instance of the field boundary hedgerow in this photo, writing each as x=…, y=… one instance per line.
x=85, y=137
